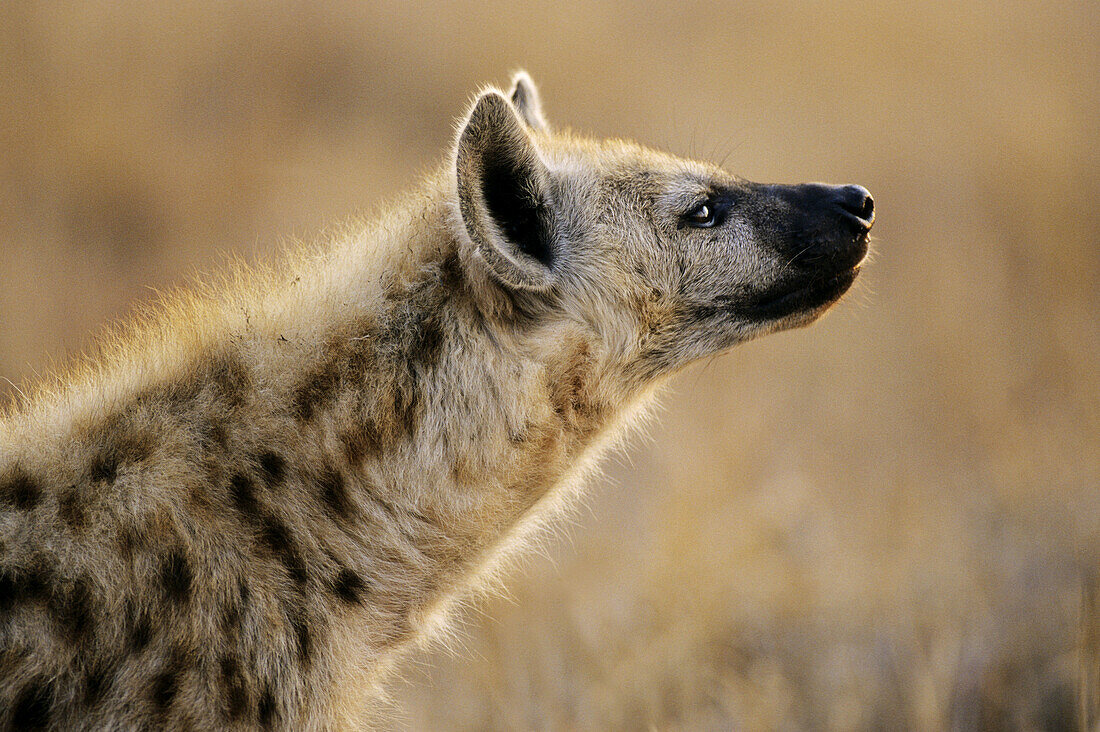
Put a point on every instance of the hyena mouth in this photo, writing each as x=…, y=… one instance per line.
x=814, y=295
x=829, y=241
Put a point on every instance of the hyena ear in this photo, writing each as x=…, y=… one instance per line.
x=525, y=97
x=504, y=195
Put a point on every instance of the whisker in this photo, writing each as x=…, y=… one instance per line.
x=804, y=250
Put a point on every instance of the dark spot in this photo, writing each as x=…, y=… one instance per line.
x=358, y=355
x=232, y=616
x=141, y=632
x=178, y=394
x=214, y=436
x=133, y=447
x=266, y=710
x=21, y=491
x=360, y=441
x=233, y=612
x=451, y=275
x=9, y=590
x=236, y=693
x=277, y=537
x=24, y=585
x=304, y=637
x=243, y=492
x=166, y=684
x=231, y=379
x=334, y=493
x=70, y=506
x=36, y=582
x=406, y=402
x=175, y=576
x=273, y=467
x=13, y=658
x=32, y=707
x=74, y=610
x=104, y=468
x=317, y=390
x=130, y=539
x=697, y=313
x=349, y=586
x=97, y=683
x=198, y=495
x=427, y=340
x=124, y=444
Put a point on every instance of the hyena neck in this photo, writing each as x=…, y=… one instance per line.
x=302, y=473
x=448, y=424
x=422, y=413
x=452, y=416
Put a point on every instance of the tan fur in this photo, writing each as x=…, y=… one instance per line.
x=244, y=509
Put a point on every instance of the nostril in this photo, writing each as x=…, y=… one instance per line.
x=857, y=201
x=867, y=211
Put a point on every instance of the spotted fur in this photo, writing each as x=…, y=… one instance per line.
x=241, y=512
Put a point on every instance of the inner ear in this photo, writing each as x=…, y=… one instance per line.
x=525, y=98
x=504, y=195
x=515, y=200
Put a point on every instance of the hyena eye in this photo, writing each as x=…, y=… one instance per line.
x=703, y=216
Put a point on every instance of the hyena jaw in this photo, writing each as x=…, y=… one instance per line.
x=244, y=511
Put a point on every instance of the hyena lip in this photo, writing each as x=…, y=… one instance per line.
x=816, y=294
x=815, y=289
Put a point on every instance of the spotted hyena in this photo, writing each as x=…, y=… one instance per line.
x=242, y=511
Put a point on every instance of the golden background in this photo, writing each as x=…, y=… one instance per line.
x=891, y=519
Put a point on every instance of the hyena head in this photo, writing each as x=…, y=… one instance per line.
x=667, y=260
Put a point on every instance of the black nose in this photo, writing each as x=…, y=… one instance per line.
x=857, y=205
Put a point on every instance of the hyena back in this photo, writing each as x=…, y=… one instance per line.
x=244, y=511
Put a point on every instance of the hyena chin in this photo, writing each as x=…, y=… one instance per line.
x=243, y=510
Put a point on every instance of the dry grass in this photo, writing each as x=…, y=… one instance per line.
x=889, y=520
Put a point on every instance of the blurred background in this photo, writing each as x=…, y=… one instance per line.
x=889, y=520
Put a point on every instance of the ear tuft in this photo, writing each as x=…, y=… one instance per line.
x=504, y=195
x=525, y=98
